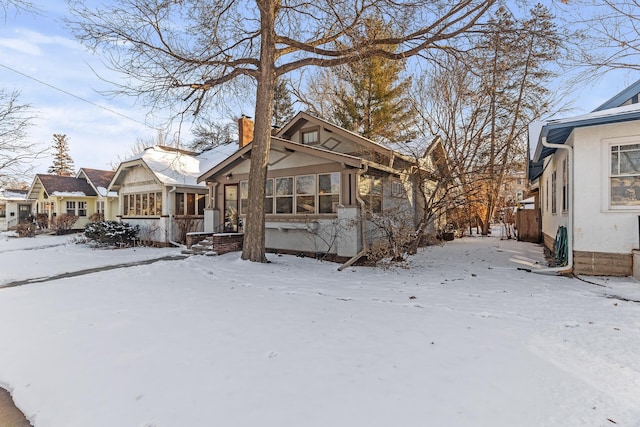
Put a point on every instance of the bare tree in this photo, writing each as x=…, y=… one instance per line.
x=189, y=50
x=210, y=134
x=16, y=151
x=610, y=35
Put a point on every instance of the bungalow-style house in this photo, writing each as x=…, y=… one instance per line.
x=321, y=181
x=587, y=172
x=158, y=190
x=82, y=195
x=14, y=208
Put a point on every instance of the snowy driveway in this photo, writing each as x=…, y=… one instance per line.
x=457, y=337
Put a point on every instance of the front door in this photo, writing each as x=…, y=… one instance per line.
x=23, y=213
x=231, y=208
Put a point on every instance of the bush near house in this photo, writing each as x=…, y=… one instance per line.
x=112, y=233
x=26, y=229
x=42, y=221
x=62, y=224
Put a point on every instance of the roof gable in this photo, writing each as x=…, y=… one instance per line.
x=628, y=95
x=98, y=179
x=279, y=143
x=301, y=119
x=57, y=185
x=176, y=167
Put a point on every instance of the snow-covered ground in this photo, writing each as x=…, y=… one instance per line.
x=456, y=337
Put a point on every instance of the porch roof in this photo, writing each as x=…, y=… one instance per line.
x=245, y=151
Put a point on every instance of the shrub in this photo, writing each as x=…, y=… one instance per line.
x=111, y=232
x=62, y=224
x=42, y=221
x=26, y=229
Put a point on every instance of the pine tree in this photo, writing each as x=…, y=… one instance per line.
x=62, y=161
x=282, y=104
x=369, y=97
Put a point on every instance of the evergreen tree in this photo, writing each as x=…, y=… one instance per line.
x=62, y=161
x=369, y=97
x=282, y=105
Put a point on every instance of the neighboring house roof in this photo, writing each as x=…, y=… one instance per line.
x=629, y=94
x=173, y=166
x=288, y=146
x=98, y=179
x=11, y=195
x=61, y=186
x=558, y=131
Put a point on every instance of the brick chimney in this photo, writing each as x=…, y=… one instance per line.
x=245, y=130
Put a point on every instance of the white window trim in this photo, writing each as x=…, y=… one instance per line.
x=605, y=201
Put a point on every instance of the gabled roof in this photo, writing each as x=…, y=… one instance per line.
x=630, y=93
x=56, y=185
x=98, y=179
x=302, y=118
x=173, y=166
x=558, y=131
x=279, y=143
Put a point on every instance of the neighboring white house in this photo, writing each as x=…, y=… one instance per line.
x=158, y=190
x=587, y=169
x=322, y=183
x=14, y=208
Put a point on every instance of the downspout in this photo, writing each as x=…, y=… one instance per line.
x=363, y=222
x=170, y=227
x=569, y=266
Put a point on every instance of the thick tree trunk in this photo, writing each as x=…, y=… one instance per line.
x=254, y=239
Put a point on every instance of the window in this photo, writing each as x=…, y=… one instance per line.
x=3, y=211
x=397, y=189
x=284, y=195
x=310, y=137
x=82, y=208
x=306, y=194
x=200, y=203
x=144, y=204
x=141, y=204
x=328, y=192
x=244, y=197
x=71, y=208
x=371, y=192
x=625, y=175
x=546, y=197
x=179, y=204
x=553, y=192
x=100, y=207
x=268, y=197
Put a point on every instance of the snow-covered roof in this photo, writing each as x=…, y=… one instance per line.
x=68, y=194
x=178, y=167
x=13, y=195
x=557, y=131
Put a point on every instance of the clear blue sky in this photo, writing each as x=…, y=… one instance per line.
x=39, y=46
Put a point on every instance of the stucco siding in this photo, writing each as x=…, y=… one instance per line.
x=598, y=228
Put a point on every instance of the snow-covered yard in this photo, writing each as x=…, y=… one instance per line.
x=456, y=337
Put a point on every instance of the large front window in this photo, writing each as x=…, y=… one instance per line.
x=142, y=204
x=625, y=175
x=301, y=194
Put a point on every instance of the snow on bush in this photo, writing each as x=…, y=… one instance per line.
x=111, y=232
